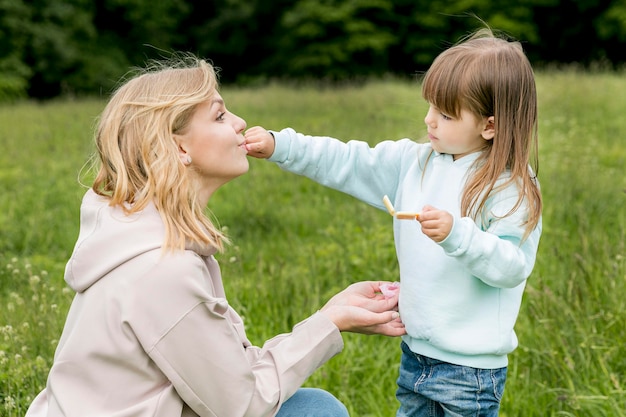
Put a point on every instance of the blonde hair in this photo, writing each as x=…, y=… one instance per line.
x=491, y=76
x=139, y=159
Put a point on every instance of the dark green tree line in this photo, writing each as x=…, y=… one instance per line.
x=74, y=47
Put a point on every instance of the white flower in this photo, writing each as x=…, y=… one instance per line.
x=9, y=403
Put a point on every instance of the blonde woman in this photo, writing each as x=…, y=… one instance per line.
x=150, y=331
x=467, y=250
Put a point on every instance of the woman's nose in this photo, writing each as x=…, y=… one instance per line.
x=240, y=124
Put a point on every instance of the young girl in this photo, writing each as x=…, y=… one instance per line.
x=150, y=331
x=465, y=261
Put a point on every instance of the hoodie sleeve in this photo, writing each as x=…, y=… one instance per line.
x=199, y=343
x=499, y=255
x=355, y=168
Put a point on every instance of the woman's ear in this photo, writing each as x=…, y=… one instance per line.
x=184, y=157
x=489, y=129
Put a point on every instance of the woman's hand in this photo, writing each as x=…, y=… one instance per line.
x=362, y=308
x=259, y=142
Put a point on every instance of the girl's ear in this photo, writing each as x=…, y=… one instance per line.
x=489, y=130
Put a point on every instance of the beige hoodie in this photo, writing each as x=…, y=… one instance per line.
x=152, y=334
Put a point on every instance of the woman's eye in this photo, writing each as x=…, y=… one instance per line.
x=220, y=116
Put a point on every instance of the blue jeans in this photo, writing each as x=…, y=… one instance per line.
x=312, y=402
x=432, y=388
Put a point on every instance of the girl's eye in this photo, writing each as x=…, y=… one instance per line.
x=220, y=116
x=446, y=117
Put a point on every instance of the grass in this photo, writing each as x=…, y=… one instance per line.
x=296, y=243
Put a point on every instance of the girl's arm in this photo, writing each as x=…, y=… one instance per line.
x=498, y=255
x=355, y=168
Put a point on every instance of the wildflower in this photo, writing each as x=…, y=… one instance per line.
x=40, y=362
x=34, y=280
x=9, y=403
x=16, y=297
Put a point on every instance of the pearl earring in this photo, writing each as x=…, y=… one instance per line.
x=188, y=160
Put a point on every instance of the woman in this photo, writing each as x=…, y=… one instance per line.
x=150, y=332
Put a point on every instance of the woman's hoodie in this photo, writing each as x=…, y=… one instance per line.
x=150, y=333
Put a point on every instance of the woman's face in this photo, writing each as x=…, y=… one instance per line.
x=214, y=140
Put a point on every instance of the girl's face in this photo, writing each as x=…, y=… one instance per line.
x=458, y=137
x=214, y=141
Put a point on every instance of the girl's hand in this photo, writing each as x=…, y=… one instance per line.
x=436, y=224
x=259, y=142
x=362, y=308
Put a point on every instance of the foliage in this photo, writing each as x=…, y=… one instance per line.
x=82, y=47
x=57, y=32
x=295, y=243
x=335, y=39
x=14, y=73
x=36, y=306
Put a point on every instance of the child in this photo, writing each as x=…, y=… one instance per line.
x=465, y=261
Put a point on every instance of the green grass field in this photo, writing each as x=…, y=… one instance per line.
x=296, y=243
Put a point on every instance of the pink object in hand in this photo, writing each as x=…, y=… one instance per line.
x=389, y=290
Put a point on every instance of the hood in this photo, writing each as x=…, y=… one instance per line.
x=109, y=237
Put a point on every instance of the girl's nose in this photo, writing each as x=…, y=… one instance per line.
x=429, y=119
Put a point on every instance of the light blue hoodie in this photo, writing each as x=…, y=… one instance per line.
x=459, y=298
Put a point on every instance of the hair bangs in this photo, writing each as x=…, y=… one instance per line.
x=445, y=84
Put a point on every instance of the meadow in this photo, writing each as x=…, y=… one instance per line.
x=296, y=243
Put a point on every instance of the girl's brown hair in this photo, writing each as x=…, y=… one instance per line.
x=491, y=76
x=139, y=161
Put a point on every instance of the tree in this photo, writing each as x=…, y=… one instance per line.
x=425, y=28
x=72, y=47
x=57, y=30
x=335, y=39
x=14, y=72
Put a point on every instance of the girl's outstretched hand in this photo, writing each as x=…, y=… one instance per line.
x=259, y=142
x=362, y=308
